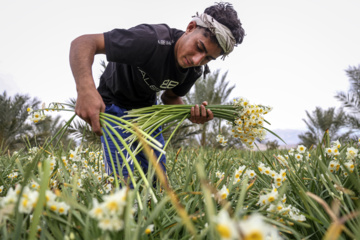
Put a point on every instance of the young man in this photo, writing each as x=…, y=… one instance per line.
x=146, y=59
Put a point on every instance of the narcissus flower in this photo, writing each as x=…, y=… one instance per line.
x=223, y=193
x=301, y=148
x=351, y=153
x=149, y=229
x=254, y=227
x=225, y=226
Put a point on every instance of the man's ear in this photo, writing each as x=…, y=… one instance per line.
x=191, y=27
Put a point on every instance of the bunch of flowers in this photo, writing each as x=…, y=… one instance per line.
x=110, y=212
x=300, y=153
x=29, y=199
x=333, y=150
x=39, y=115
x=247, y=119
x=222, y=140
x=253, y=227
x=279, y=178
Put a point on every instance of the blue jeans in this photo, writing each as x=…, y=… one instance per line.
x=141, y=158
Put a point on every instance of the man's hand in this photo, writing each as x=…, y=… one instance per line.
x=200, y=114
x=89, y=104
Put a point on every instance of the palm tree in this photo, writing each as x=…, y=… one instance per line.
x=324, y=120
x=13, y=117
x=45, y=130
x=351, y=100
x=213, y=89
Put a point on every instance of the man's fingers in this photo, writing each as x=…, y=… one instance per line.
x=203, y=117
x=199, y=114
x=95, y=124
x=210, y=115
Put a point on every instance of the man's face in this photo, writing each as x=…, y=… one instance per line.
x=194, y=49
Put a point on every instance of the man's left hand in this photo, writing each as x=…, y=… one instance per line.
x=200, y=114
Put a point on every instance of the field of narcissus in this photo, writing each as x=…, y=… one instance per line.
x=58, y=192
x=212, y=194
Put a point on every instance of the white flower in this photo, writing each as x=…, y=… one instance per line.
x=261, y=167
x=298, y=157
x=350, y=166
x=149, y=229
x=111, y=224
x=263, y=200
x=295, y=215
x=255, y=228
x=97, y=211
x=301, y=148
x=250, y=173
x=281, y=159
x=219, y=174
x=334, y=166
x=63, y=208
x=223, y=193
x=351, y=153
x=336, y=144
x=114, y=203
x=49, y=196
x=108, y=188
x=225, y=226
x=239, y=171
x=28, y=200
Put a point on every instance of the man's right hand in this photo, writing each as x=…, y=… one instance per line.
x=89, y=104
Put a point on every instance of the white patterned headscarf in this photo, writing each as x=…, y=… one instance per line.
x=223, y=34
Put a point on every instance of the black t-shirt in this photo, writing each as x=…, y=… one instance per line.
x=141, y=63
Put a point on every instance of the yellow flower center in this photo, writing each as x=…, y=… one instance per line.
x=255, y=235
x=25, y=202
x=112, y=206
x=147, y=231
x=223, y=230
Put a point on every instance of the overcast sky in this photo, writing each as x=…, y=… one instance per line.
x=293, y=57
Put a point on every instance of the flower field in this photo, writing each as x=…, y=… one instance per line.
x=56, y=192
x=212, y=194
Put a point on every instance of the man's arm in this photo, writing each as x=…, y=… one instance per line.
x=198, y=115
x=89, y=103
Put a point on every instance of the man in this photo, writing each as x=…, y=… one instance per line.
x=146, y=59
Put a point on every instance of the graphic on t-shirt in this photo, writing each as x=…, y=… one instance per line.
x=165, y=42
x=166, y=84
x=169, y=84
x=147, y=79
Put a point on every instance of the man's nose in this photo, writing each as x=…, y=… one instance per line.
x=198, y=59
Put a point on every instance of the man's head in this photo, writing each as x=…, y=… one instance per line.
x=209, y=35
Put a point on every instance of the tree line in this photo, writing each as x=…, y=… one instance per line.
x=17, y=133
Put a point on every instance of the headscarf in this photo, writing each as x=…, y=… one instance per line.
x=223, y=35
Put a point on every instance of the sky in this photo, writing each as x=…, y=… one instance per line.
x=293, y=57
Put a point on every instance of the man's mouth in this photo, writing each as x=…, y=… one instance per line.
x=187, y=63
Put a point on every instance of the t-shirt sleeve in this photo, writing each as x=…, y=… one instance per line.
x=183, y=89
x=132, y=46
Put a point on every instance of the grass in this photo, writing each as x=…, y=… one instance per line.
x=187, y=208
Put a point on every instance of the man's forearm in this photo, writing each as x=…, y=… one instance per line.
x=82, y=52
x=81, y=59
x=171, y=99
